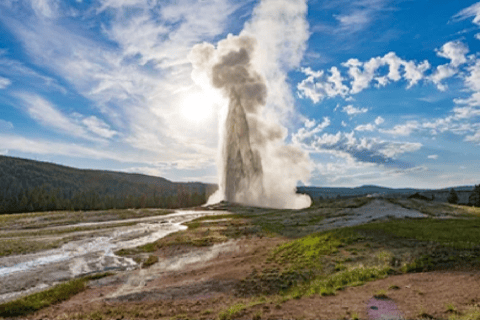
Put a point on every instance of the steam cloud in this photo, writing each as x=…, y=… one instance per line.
x=256, y=168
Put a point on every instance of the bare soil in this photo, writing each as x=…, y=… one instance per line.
x=202, y=290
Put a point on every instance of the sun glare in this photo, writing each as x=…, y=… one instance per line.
x=197, y=107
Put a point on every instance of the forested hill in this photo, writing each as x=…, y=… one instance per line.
x=28, y=185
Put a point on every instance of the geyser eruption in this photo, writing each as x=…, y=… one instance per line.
x=242, y=166
x=256, y=168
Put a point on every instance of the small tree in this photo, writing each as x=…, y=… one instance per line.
x=474, y=198
x=452, y=197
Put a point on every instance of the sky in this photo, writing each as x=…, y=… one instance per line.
x=376, y=92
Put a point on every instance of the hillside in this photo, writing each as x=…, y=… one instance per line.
x=440, y=195
x=28, y=185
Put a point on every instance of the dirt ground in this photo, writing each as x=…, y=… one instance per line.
x=200, y=290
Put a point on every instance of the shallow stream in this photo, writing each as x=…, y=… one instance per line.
x=24, y=274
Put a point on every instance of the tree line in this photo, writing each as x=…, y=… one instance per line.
x=27, y=185
x=473, y=199
x=47, y=198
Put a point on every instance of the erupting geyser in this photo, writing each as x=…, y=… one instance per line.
x=250, y=142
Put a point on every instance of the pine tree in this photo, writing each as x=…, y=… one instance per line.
x=452, y=197
x=474, y=198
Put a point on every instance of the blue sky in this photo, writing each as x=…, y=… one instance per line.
x=377, y=92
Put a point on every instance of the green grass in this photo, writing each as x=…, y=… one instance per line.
x=151, y=260
x=22, y=246
x=381, y=294
x=305, y=252
x=40, y=300
x=34, y=220
x=471, y=314
x=36, y=233
x=232, y=311
x=445, y=232
x=338, y=281
x=451, y=308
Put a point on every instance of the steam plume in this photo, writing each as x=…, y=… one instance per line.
x=256, y=168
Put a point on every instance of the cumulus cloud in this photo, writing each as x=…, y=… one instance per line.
x=442, y=72
x=361, y=149
x=474, y=138
x=433, y=156
x=353, y=111
x=455, y=51
x=316, y=90
x=310, y=129
x=361, y=74
x=379, y=120
x=402, y=129
x=365, y=127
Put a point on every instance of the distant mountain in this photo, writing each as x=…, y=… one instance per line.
x=28, y=185
x=327, y=192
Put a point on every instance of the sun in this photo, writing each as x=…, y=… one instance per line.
x=197, y=107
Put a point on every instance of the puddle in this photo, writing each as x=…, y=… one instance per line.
x=380, y=309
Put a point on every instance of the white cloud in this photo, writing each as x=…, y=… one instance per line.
x=76, y=125
x=39, y=146
x=310, y=130
x=402, y=129
x=365, y=127
x=433, y=156
x=317, y=91
x=45, y=8
x=442, y=72
x=474, y=138
x=139, y=83
x=353, y=111
x=4, y=82
x=471, y=11
x=472, y=81
x=362, y=74
x=45, y=113
x=17, y=70
x=370, y=126
x=120, y=4
x=356, y=15
x=98, y=127
x=396, y=148
x=379, y=120
x=5, y=125
x=347, y=146
x=455, y=51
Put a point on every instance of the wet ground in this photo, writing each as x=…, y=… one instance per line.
x=28, y=273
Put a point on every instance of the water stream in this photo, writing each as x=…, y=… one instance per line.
x=22, y=274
